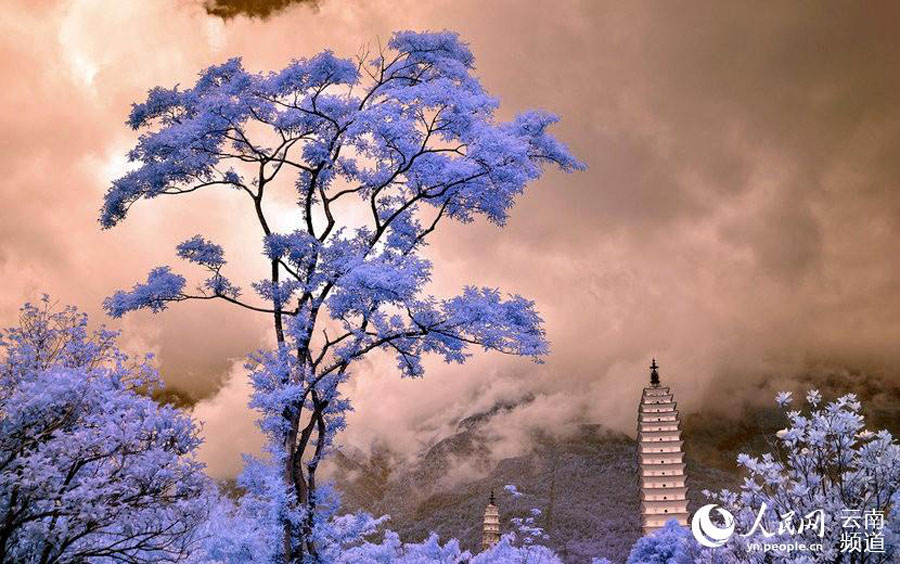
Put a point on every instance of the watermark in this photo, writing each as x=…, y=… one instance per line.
x=861, y=532
x=708, y=533
x=785, y=546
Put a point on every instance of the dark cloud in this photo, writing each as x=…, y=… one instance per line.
x=263, y=9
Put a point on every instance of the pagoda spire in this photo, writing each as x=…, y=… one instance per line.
x=654, y=374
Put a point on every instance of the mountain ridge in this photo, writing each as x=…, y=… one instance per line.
x=585, y=483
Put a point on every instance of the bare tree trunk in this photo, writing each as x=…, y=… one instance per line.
x=290, y=438
x=319, y=418
x=290, y=442
x=300, y=476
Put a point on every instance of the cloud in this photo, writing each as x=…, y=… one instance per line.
x=228, y=425
x=739, y=218
x=263, y=9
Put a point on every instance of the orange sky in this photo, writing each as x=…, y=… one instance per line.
x=739, y=217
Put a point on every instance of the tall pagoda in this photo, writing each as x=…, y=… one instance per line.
x=491, y=532
x=660, y=457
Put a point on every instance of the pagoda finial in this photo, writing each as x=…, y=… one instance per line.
x=493, y=499
x=654, y=374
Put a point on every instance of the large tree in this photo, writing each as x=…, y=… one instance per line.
x=91, y=468
x=379, y=150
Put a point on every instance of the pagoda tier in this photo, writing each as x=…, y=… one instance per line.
x=660, y=457
x=657, y=482
x=661, y=426
x=663, y=494
x=648, y=436
x=655, y=522
x=657, y=469
x=664, y=506
x=669, y=446
x=653, y=399
x=667, y=407
x=660, y=417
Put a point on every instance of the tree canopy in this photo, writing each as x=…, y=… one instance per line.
x=91, y=468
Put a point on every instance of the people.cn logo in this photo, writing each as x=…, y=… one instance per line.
x=708, y=533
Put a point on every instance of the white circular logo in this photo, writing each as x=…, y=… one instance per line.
x=708, y=533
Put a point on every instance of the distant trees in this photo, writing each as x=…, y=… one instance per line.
x=394, y=551
x=378, y=151
x=91, y=469
x=240, y=533
x=673, y=544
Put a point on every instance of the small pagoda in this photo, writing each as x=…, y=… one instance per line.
x=491, y=532
x=660, y=457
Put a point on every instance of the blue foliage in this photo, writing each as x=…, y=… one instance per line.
x=162, y=286
x=478, y=168
x=673, y=544
x=324, y=69
x=393, y=551
x=200, y=251
x=827, y=464
x=299, y=247
x=93, y=469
